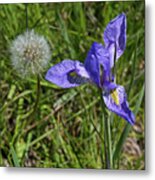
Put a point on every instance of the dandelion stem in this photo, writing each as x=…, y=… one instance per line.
x=38, y=93
x=37, y=98
x=26, y=12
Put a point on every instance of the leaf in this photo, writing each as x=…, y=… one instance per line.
x=14, y=156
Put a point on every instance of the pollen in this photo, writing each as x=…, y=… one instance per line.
x=115, y=97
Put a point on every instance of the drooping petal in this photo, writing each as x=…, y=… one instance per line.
x=115, y=37
x=67, y=74
x=97, y=56
x=116, y=101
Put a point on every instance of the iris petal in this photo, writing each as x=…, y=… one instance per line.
x=115, y=37
x=67, y=74
x=116, y=101
x=96, y=57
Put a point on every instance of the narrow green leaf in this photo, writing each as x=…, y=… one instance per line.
x=6, y=104
x=12, y=91
x=66, y=35
x=82, y=18
x=40, y=138
x=141, y=95
x=14, y=156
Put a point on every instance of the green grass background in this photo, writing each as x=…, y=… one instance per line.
x=66, y=130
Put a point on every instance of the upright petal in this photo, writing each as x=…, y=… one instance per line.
x=116, y=101
x=67, y=74
x=97, y=56
x=104, y=61
x=115, y=37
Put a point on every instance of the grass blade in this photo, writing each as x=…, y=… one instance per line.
x=14, y=156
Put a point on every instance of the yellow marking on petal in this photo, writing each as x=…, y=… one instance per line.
x=73, y=74
x=115, y=97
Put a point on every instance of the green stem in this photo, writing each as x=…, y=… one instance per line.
x=108, y=132
x=26, y=13
x=103, y=146
x=107, y=138
x=37, y=98
x=38, y=93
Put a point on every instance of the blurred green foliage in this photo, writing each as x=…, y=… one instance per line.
x=65, y=130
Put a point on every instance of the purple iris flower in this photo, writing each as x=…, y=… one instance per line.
x=97, y=69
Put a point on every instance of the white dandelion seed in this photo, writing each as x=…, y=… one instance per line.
x=30, y=54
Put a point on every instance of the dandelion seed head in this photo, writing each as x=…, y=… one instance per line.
x=30, y=53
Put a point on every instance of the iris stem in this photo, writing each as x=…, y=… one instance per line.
x=107, y=137
x=103, y=145
x=109, y=144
